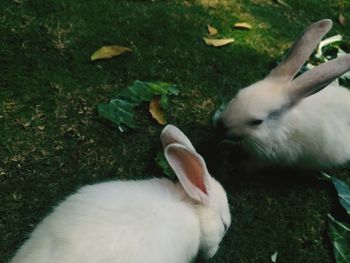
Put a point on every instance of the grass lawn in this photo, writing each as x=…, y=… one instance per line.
x=52, y=141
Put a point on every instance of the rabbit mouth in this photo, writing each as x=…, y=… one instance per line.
x=234, y=136
x=253, y=145
x=248, y=143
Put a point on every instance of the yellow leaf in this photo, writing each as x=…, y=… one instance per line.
x=109, y=52
x=156, y=112
x=212, y=30
x=218, y=42
x=341, y=19
x=243, y=25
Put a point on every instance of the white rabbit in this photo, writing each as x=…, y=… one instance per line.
x=295, y=121
x=148, y=221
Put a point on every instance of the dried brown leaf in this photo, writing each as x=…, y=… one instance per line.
x=155, y=110
x=212, y=30
x=218, y=42
x=242, y=25
x=26, y=124
x=341, y=19
x=281, y=2
x=107, y=52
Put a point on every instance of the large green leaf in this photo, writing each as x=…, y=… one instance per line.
x=343, y=191
x=140, y=91
x=339, y=234
x=328, y=49
x=121, y=110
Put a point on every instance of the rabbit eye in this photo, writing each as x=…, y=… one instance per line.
x=255, y=122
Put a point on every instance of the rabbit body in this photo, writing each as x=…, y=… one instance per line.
x=319, y=129
x=145, y=221
x=302, y=121
x=101, y=222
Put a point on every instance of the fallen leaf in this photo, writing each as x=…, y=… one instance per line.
x=26, y=124
x=218, y=42
x=14, y=159
x=120, y=111
x=41, y=128
x=109, y=52
x=212, y=30
x=330, y=41
x=328, y=49
x=341, y=19
x=155, y=110
x=339, y=234
x=140, y=91
x=343, y=192
x=281, y=2
x=274, y=257
x=242, y=25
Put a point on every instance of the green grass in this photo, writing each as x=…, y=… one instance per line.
x=52, y=141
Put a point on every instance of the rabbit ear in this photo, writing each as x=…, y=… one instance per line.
x=301, y=50
x=190, y=169
x=319, y=77
x=171, y=134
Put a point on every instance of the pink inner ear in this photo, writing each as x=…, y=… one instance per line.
x=197, y=180
x=193, y=170
x=196, y=177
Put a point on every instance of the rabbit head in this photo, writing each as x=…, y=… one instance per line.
x=206, y=194
x=258, y=112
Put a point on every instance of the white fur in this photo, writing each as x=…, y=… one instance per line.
x=148, y=221
x=303, y=124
